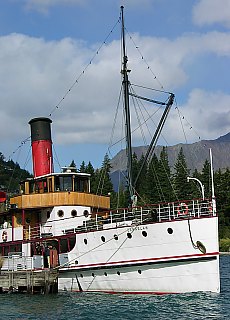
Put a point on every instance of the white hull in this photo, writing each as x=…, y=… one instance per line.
x=157, y=262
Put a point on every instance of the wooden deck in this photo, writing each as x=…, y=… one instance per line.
x=29, y=281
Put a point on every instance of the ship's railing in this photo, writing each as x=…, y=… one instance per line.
x=134, y=216
x=31, y=232
x=151, y=214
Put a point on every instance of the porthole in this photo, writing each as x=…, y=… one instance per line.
x=81, y=275
x=118, y=272
x=116, y=237
x=28, y=220
x=19, y=220
x=129, y=235
x=60, y=213
x=76, y=262
x=74, y=213
x=139, y=271
x=105, y=274
x=102, y=238
x=93, y=274
x=170, y=230
x=144, y=233
x=48, y=214
x=85, y=241
x=86, y=213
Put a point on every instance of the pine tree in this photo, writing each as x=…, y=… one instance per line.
x=152, y=190
x=89, y=168
x=194, y=186
x=181, y=186
x=93, y=184
x=139, y=178
x=164, y=176
x=82, y=167
x=73, y=164
x=121, y=198
x=206, y=179
x=106, y=185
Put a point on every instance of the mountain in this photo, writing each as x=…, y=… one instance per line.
x=195, y=154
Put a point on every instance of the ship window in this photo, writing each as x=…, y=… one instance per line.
x=81, y=275
x=170, y=230
x=60, y=213
x=19, y=220
x=139, y=271
x=129, y=235
x=31, y=186
x=28, y=220
x=76, y=262
x=74, y=213
x=81, y=184
x=102, y=238
x=63, y=183
x=85, y=241
x=86, y=213
x=93, y=274
x=105, y=274
x=118, y=272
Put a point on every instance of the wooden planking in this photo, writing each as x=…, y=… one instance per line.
x=41, y=200
x=29, y=279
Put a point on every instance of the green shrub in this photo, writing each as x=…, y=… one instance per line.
x=225, y=245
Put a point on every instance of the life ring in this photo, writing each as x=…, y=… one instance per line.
x=210, y=208
x=182, y=209
x=4, y=236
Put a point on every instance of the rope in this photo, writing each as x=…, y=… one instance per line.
x=84, y=70
x=142, y=58
x=98, y=246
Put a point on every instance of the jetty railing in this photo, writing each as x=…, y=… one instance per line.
x=16, y=261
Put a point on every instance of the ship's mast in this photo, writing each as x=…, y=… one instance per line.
x=125, y=84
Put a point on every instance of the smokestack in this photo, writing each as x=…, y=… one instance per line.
x=41, y=146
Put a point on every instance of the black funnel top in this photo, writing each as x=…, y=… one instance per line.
x=40, y=129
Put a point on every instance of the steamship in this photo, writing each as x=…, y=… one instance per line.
x=56, y=222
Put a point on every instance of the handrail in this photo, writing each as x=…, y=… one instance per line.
x=179, y=210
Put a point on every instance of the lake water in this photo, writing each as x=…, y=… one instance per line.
x=92, y=306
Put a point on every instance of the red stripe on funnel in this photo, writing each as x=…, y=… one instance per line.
x=42, y=157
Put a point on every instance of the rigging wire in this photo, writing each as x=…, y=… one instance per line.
x=145, y=61
x=85, y=69
x=57, y=106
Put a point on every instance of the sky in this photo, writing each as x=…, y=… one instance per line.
x=61, y=59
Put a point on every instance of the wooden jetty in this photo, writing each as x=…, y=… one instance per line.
x=30, y=281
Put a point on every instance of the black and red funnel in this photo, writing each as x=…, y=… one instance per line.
x=41, y=146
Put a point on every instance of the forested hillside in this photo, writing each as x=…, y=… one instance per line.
x=10, y=175
x=157, y=182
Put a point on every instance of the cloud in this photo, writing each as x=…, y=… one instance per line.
x=38, y=74
x=44, y=5
x=209, y=111
x=207, y=12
